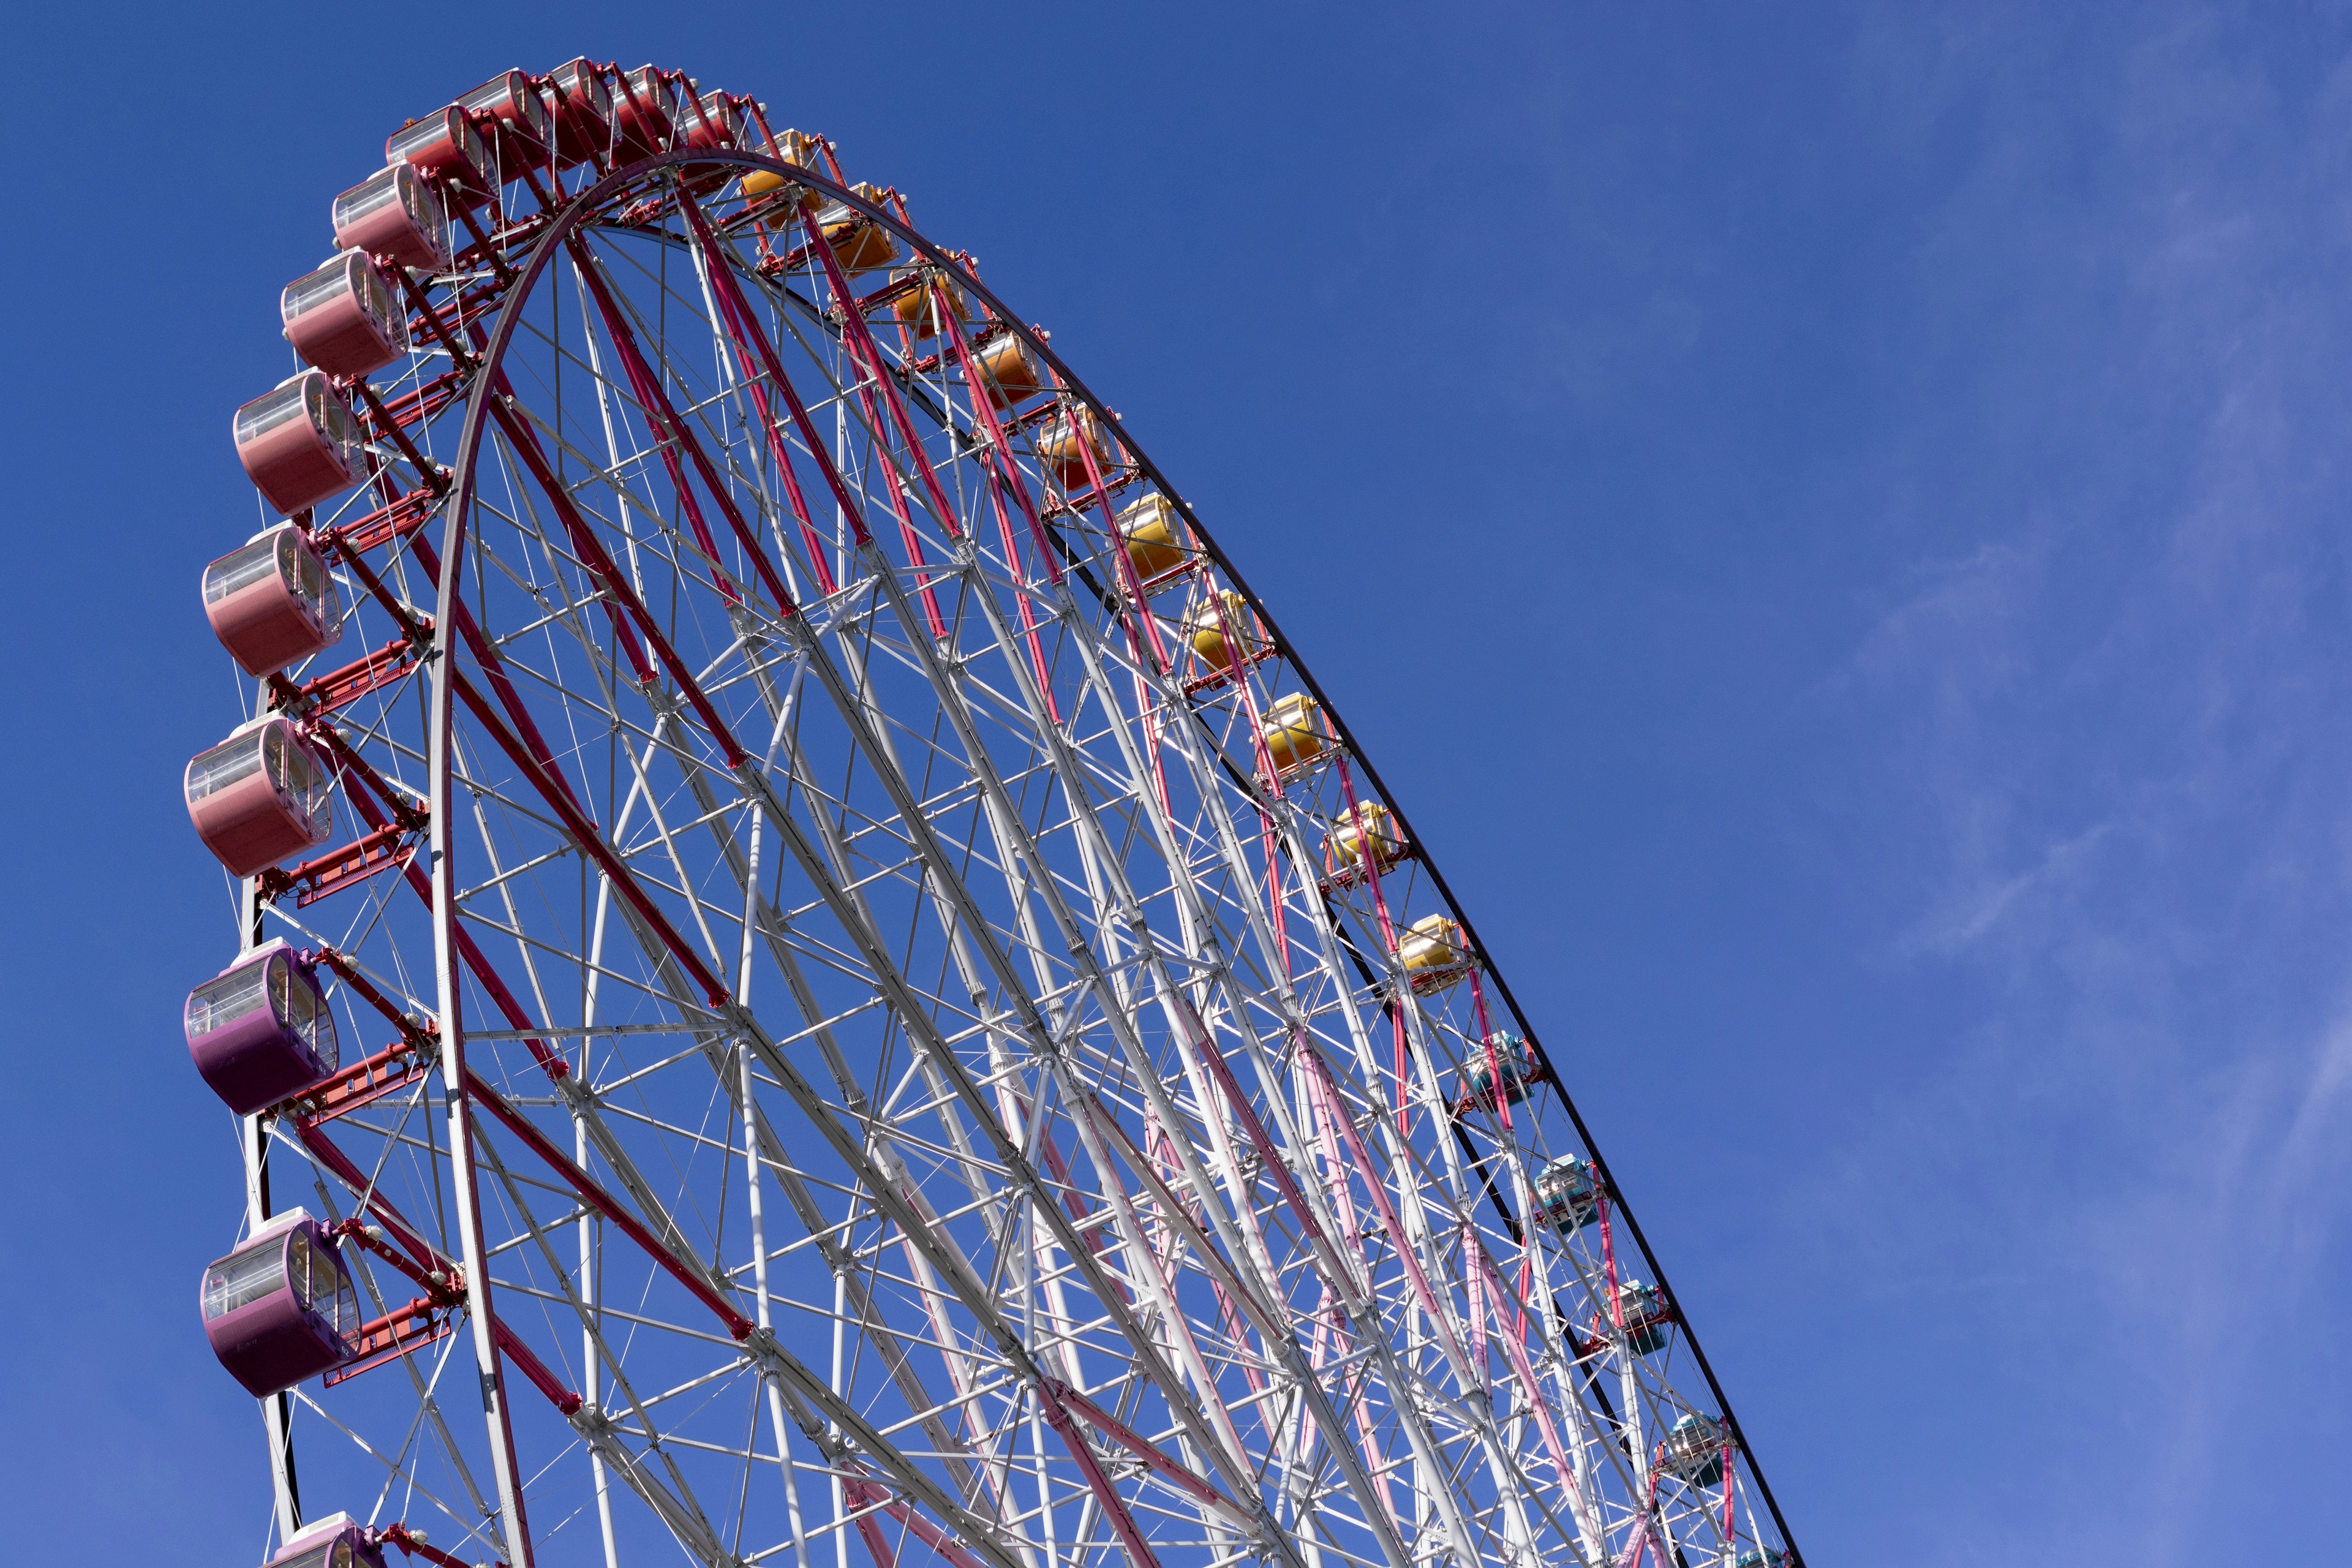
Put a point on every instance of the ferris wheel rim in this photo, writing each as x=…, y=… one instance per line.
x=580, y=211
x=531, y=246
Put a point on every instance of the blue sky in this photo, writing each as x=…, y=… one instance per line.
x=1829, y=519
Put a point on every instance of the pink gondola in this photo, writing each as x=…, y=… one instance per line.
x=524, y=128
x=280, y=1308
x=444, y=148
x=261, y=796
x=298, y=443
x=344, y=319
x=394, y=212
x=271, y=602
x=581, y=92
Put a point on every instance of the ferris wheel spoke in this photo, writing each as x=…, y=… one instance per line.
x=1136, y=1157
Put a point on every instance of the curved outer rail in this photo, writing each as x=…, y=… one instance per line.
x=549, y=246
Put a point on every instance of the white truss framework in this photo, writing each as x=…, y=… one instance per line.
x=917, y=1078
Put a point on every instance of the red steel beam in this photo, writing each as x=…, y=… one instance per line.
x=595, y=1196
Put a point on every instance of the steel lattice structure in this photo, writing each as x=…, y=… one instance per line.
x=887, y=1020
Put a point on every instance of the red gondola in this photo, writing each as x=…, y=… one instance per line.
x=298, y=443
x=271, y=602
x=344, y=319
x=524, y=128
x=714, y=121
x=443, y=147
x=259, y=796
x=645, y=111
x=582, y=95
x=393, y=213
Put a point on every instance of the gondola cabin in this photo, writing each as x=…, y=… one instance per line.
x=1505, y=1053
x=344, y=319
x=1694, y=1451
x=261, y=1031
x=525, y=129
x=271, y=602
x=1058, y=445
x=1294, y=733
x=581, y=113
x=714, y=120
x=336, y=1541
x=393, y=213
x=1433, y=953
x=445, y=149
x=1569, y=1192
x=804, y=148
x=280, y=1308
x=1009, y=374
x=1154, y=535
x=917, y=310
x=798, y=149
x=644, y=112
x=1767, y=1557
x=1212, y=619
x=860, y=243
x=1343, y=846
x=763, y=182
x=298, y=443
x=1645, y=1314
x=261, y=796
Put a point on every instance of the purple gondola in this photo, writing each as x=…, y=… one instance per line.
x=280, y=1308
x=261, y=1031
x=338, y=1541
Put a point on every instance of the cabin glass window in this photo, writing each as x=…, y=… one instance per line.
x=417, y=137
x=242, y=569
x=299, y=777
x=305, y=575
x=270, y=410
x=313, y=290
x=376, y=192
x=224, y=765
x=219, y=1002
x=301, y=1009
x=243, y=1277
x=334, y=419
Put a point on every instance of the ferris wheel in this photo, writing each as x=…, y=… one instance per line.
x=817, y=984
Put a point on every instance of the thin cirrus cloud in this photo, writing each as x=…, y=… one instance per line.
x=2113, y=689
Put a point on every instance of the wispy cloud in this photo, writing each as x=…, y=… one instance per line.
x=2115, y=696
